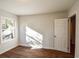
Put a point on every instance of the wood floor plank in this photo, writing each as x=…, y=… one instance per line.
x=24, y=52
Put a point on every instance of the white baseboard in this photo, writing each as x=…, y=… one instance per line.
x=8, y=49
x=24, y=45
x=47, y=48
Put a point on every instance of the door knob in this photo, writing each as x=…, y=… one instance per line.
x=54, y=36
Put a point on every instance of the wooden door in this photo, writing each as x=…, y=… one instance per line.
x=72, y=34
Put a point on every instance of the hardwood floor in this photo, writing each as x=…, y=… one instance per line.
x=23, y=52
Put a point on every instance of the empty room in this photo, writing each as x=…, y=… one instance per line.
x=39, y=28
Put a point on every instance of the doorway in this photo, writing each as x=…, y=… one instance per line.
x=72, y=34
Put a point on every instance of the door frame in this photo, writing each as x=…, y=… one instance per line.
x=69, y=33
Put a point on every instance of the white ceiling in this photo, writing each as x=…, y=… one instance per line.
x=29, y=7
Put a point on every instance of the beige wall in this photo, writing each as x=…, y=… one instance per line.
x=9, y=44
x=75, y=10
x=44, y=24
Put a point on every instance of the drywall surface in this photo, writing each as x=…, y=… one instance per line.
x=43, y=24
x=72, y=11
x=5, y=46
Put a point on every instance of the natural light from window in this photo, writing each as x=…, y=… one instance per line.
x=33, y=38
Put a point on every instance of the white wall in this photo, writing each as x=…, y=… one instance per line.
x=9, y=44
x=42, y=24
x=75, y=10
